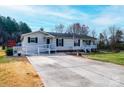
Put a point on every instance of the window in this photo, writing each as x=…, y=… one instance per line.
x=87, y=42
x=77, y=42
x=32, y=39
x=94, y=42
x=59, y=42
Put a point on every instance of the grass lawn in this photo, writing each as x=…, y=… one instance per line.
x=18, y=72
x=117, y=58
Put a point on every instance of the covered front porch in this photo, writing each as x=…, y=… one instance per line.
x=46, y=48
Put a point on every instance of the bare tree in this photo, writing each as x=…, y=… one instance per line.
x=116, y=36
x=93, y=34
x=69, y=29
x=84, y=30
x=76, y=28
x=119, y=36
x=105, y=37
x=73, y=30
x=101, y=44
x=59, y=28
x=112, y=31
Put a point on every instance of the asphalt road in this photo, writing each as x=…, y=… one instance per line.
x=71, y=71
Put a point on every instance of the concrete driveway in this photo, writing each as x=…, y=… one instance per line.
x=66, y=71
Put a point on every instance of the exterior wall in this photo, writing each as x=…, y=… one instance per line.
x=30, y=48
x=38, y=35
x=41, y=46
x=68, y=44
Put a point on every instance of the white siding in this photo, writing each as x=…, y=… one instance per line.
x=37, y=48
x=68, y=44
x=38, y=35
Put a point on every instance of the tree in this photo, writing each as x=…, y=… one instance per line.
x=119, y=36
x=84, y=30
x=76, y=28
x=24, y=28
x=11, y=26
x=59, y=28
x=41, y=29
x=112, y=31
x=116, y=37
x=101, y=44
x=93, y=34
x=3, y=33
x=10, y=29
x=106, y=39
x=69, y=29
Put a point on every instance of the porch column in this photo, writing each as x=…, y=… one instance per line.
x=26, y=50
x=38, y=51
x=49, y=50
x=13, y=50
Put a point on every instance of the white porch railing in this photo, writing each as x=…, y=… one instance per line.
x=32, y=49
x=37, y=49
x=89, y=46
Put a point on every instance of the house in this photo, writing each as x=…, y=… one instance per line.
x=46, y=42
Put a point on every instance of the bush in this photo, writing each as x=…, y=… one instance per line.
x=116, y=50
x=9, y=52
x=3, y=47
x=120, y=46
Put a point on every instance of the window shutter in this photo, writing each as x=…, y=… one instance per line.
x=56, y=42
x=36, y=40
x=89, y=42
x=79, y=42
x=28, y=39
x=62, y=42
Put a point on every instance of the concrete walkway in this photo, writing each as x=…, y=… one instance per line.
x=66, y=70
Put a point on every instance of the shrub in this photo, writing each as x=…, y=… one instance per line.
x=3, y=47
x=116, y=50
x=9, y=52
x=120, y=46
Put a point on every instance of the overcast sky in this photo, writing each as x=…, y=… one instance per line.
x=96, y=17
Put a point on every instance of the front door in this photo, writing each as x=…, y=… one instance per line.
x=48, y=41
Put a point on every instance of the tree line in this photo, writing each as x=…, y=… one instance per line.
x=75, y=28
x=11, y=29
x=110, y=39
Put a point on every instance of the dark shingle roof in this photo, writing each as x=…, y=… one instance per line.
x=69, y=35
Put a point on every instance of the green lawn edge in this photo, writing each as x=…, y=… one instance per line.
x=116, y=58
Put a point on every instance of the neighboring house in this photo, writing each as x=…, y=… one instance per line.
x=42, y=42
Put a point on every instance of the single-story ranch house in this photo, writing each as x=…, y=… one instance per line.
x=46, y=42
